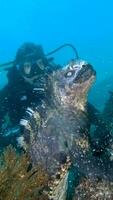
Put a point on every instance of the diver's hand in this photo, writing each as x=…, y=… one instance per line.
x=30, y=80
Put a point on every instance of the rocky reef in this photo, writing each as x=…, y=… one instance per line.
x=98, y=189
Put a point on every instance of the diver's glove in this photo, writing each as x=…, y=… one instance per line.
x=38, y=90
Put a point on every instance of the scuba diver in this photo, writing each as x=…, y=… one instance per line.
x=27, y=84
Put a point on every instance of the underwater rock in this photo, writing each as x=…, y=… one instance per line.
x=62, y=133
x=94, y=190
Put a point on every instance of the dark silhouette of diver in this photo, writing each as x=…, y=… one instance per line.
x=27, y=81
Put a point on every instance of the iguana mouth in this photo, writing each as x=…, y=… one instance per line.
x=85, y=73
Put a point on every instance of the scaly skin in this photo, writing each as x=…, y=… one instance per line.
x=63, y=130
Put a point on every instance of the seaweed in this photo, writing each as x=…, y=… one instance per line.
x=19, y=181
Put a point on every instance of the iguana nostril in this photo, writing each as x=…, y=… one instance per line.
x=66, y=144
x=62, y=158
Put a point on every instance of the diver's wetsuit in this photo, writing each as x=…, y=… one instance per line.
x=18, y=94
x=14, y=97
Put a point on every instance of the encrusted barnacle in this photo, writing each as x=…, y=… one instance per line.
x=58, y=175
x=37, y=118
x=83, y=144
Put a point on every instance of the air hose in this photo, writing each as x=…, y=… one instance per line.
x=61, y=47
x=48, y=54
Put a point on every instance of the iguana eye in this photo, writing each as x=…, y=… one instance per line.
x=69, y=74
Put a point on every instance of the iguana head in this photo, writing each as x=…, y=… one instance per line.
x=72, y=83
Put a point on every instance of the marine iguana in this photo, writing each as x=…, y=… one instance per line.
x=58, y=131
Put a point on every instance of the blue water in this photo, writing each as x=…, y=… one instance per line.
x=86, y=24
